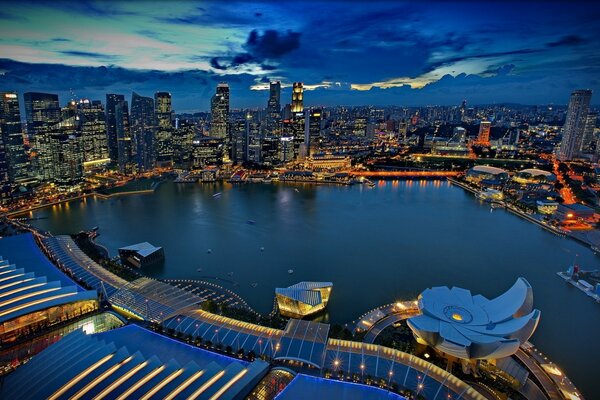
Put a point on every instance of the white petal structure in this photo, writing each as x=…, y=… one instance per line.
x=473, y=327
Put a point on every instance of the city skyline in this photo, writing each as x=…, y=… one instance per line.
x=380, y=53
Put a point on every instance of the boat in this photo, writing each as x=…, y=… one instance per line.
x=230, y=274
x=254, y=284
x=209, y=251
x=290, y=271
x=296, y=190
x=262, y=249
x=218, y=194
x=199, y=270
x=251, y=222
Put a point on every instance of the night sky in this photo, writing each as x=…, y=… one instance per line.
x=351, y=53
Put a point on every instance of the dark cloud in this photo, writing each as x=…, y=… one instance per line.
x=452, y=60
x=272, y=44
x=501, y=70
x=568, y=40
x=89, y=54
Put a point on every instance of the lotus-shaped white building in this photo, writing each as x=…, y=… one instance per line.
x=472, y=327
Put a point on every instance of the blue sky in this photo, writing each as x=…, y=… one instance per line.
x=351, y=53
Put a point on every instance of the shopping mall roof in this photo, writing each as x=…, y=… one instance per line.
x=130, y=362
x=33, y=284
x=310, y=387
x=23, y=251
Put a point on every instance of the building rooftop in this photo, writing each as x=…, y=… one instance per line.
x=307, y=387
x=488, y=169
x=130, y=362
x=144, y=249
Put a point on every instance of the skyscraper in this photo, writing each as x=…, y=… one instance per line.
x=125, y=150
x=313, y=130
x=297, y=98
x=588, y=144
x=483, y=138
x=274, y=108
x=41, y=110
x=163, y=136
x=11, y=131
x=219, y=114
x=111, y=124
x=92, y=124
x=142, y=130
x=574, y=127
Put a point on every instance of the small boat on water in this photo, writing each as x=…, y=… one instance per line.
x=262, y=249
x=251, y=222
x=296, y=190
x=290, y=271
x=230, y=273
x=209, y=251
x=199, y=270
x=254, y=284
x=218, y=194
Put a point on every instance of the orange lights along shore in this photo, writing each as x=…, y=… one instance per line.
x=408, y=174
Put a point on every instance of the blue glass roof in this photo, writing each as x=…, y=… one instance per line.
x=310, y=387
x=23, y=251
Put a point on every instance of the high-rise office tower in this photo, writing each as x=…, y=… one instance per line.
x=313, y=130
x=297, y=98
x=182, y=141
x=574, y=127
x=219, y=117
x=238, y=133
x=163, y=136
x=142, y=130
x=92, y=125
x=111, y=124
x=274, y=108
x=588, y=144
x=125, y=149
x=17, y=162
x=483, y=137
x=219, y=111
x=41, y=111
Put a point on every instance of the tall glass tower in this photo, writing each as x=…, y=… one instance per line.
x=574, y=127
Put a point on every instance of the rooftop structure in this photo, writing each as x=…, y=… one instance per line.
x=480, y=173
x=141, y=255
x=131, y=362
x=38, y=295
x=303, y=298
x=472, y=327
x=533, y=175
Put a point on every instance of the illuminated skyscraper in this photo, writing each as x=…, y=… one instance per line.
x=219, y=114
x=41, y=110
x=313, y=130
x=297, y=98
x=574, y=127
x=11, y=134
x=483, y=138
x=163, y=136
x=125, y=148
x=142, y=130
x=111, y=124
x=274, y=108
x=92, y=124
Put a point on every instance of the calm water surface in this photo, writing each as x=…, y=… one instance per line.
x=376, y=245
